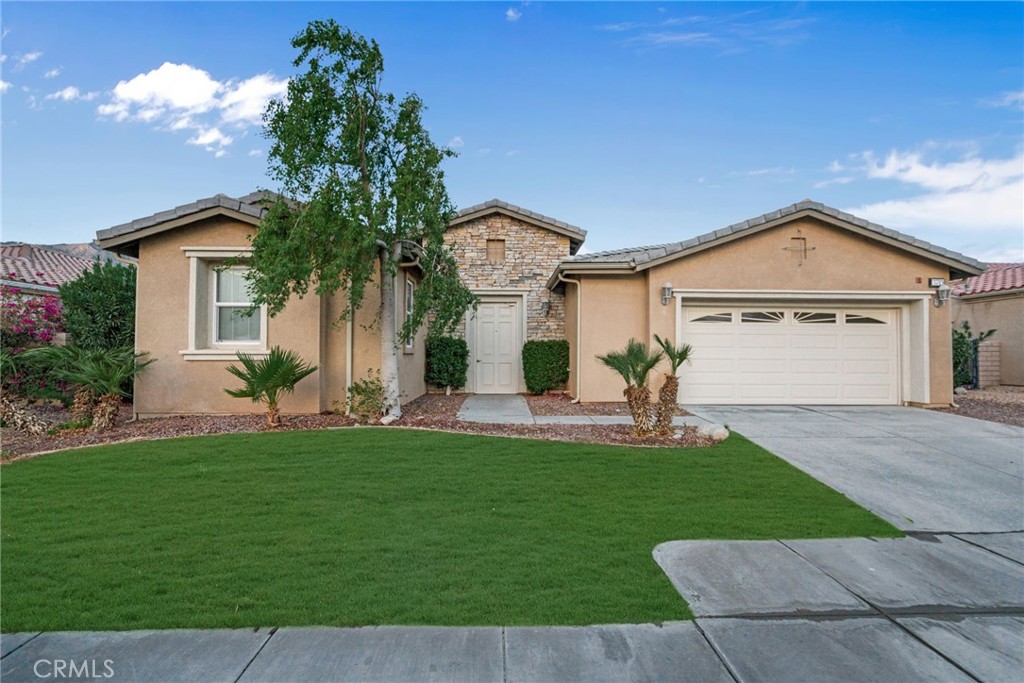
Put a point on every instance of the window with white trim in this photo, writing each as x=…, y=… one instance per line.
x=234, y=321
x=220, y=302
x=410, y=300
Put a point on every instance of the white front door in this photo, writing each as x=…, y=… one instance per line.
x=497, y=347
x=790, y=354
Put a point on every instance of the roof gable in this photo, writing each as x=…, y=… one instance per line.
x=575, y=234
x=641, y=258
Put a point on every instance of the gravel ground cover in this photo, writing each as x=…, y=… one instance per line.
x=431, y=411
x=561, y=404
x=996, y=404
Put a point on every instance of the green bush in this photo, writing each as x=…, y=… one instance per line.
x=99, y=307
x=545, y=364
x=447, y=362
x=366, y=398
x=965, y=348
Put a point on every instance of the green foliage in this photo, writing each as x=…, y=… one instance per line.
x=545, y=364
x=267, y=380
x=676, y=355
x=108, y=372
x=361, y=189
x=634, y=364
x=366, y=398
x=965, y=349
x=447, y=362
x=99, y=307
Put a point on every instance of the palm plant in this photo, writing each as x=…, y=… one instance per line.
x=58, y=361
x=106, y=373
x=634, y=364
x=668, y=396
x=267, y=380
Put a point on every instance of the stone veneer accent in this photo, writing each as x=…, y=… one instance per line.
x=531, y=255
x=988, y=364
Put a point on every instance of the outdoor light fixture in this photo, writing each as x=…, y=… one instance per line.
x=545, y=308
x=666, y=293
x=941, y=294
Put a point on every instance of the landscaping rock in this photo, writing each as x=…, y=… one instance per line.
x=960, y=391
x=388, y=419
x=716, y=433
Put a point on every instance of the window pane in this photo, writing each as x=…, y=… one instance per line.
x=234, y=326
x=410, y=290
x=813, y=317
x=496, y=251
x=762, y=316
x=713, y=318
x=232, y=286
x=856, y=319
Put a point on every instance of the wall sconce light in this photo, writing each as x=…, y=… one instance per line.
x=666, y=293
x=941, y=294
x=545, y=308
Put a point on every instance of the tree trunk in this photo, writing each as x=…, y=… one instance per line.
x=83, y=405
x=105, y=414
x=667, y=398
x=639, y=400
x=389, y=334
x=273, y=416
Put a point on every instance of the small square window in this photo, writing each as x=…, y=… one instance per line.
x=496, y=251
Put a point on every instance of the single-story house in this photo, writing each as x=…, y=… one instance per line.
x=806, y=304
x=994, y=300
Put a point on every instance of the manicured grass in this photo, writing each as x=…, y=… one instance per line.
x=373, y=526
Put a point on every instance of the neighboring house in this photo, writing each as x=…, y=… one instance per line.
x=995, y=300
x=37, y=270
x=803, y=305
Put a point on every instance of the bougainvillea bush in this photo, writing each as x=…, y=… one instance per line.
x=27, y=321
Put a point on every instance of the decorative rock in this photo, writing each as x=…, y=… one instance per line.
x=677, y=435
x=388, y=419
x=960, y=391
x=716, y=433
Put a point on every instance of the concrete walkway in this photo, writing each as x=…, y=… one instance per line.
x=513, y=409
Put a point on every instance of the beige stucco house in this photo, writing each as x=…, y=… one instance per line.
x=994, y=300
x=802, y=305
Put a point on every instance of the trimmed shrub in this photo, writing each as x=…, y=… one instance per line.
x=545, y=364
x=965, y=352
x=99, y=307
x=447, y=362
x=367, y=399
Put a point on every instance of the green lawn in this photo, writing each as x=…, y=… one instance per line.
x=374, y=526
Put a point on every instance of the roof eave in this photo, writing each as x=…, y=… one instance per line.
x=584, y=268
x=575, y=235
x=128, y=240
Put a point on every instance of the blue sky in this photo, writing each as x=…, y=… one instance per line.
x=641, y=122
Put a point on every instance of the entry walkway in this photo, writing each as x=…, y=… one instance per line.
x=513, y=409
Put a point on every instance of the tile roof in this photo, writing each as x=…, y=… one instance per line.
x=562, y=226
x=249, y=204
x=638, y=256
x=998, y=277
x=37, y=265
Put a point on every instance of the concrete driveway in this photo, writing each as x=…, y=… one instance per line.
x=919, y=469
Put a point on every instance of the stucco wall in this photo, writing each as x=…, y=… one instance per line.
x=174, y=385
x=836, y=260
x=1004, y=314
x=531, y=255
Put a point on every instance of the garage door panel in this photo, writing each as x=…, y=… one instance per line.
x=802, y=355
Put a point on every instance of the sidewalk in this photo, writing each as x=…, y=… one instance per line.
x=513, y=409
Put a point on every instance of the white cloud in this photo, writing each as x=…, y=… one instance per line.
x=512, y=14
x=775, y=170
x=484, y=150
x=255, y=152
x=210, y=137
x=4, y=85
x=52, y=73
x=1013, y=99
x=973, y=204
x=841, y=180
x=26, y=59
x=71, y=93
x=512, y=153
x=176, y=97
x=456, y=142
x=245, y=102
x=3, y=58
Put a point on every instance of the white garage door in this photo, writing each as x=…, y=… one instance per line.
x=781, y=354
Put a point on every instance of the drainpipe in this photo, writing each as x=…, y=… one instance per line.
x=350, y=334
x=579, y=326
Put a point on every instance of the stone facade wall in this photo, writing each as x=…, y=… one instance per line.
x=531, y=254
x=988, y=364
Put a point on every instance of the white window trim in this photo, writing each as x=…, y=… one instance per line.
x=209, y=350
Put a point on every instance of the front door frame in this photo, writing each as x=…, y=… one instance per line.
x=497, y=296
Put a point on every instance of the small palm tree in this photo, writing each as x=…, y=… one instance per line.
x=106, y=373
x=634, y=364
x=58, y=361
x=668, y=396
x=268, y=379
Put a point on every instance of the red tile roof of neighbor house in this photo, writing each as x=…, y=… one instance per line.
x=37, y=265
x=998, y=277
